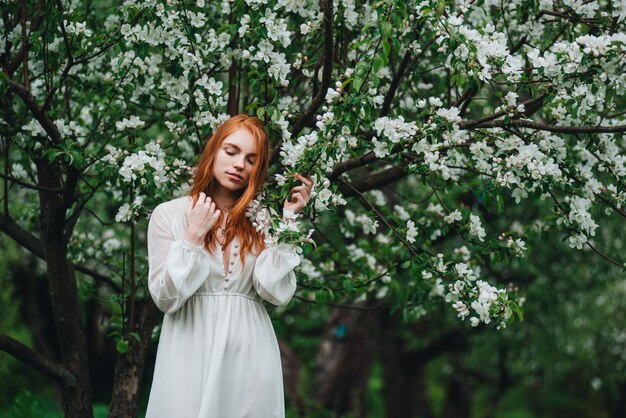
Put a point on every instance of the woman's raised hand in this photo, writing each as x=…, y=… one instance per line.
x=201, y=218
x=300, y=195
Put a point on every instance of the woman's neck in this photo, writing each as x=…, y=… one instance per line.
x=224, y=201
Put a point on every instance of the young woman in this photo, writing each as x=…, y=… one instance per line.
x=218, y=355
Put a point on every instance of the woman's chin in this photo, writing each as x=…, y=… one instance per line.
x=234, y=188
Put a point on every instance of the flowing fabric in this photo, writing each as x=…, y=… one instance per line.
x=218, y=355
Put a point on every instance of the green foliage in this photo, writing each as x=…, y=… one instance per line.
x=13, y=374
x=27, y=405
x=155, y=64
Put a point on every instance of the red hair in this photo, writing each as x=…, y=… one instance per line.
x=203, y=181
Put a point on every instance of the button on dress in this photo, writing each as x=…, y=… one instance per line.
x=218, y=356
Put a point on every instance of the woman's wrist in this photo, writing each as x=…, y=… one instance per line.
x=194, y=239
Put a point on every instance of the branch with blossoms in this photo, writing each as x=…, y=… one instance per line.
x=417, y=100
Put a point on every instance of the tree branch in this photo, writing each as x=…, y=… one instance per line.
x=375, y=181
x=26, y=45
x=380, y=216
x=530, y=106
x=523, y=123
x=23, y=237
x=37, y=361
x=31, y=186
x=327, y=8
x=33, y=244
x=606, y=257
x=360, y=161
x=395, y=83
x=31, y=103
x=20, y=56
x=345, y=306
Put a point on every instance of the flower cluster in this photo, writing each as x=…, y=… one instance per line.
x=580, y=220
x=517, y=245
x=274, y=229
x=131, y=123
x=392, y=130
x=293, y=151
x=468, y=295
x=151, y=159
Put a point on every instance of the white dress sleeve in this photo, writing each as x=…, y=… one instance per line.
x=273, y=276
x=177, y=268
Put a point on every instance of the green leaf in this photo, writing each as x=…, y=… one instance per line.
x=499, y=204
x=386, y=29
x=386, y=47
x=121, y=346
x=378, y=63
x=321, y=297
x=397, y=20
x=518, y=311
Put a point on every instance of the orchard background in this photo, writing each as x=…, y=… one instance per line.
x=464, y=250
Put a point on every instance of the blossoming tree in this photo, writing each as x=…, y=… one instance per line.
x=417, y=120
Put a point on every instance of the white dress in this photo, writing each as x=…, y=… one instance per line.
x=218, y=356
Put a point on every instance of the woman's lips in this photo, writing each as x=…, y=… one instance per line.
x=234, y=177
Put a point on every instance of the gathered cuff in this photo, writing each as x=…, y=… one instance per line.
x=193, y=247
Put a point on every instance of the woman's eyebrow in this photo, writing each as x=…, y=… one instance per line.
x=235, y=146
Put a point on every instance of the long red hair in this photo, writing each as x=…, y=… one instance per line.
x=203, y=181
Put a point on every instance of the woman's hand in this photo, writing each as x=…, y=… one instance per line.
x=201, y=218
x=300, y=195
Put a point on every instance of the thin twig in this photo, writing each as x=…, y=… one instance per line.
x=31, y=186
x=609, y=259
x=343, y=306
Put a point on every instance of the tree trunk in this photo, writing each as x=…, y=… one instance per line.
x=618, y=404
x=404, y=390
x=32, y=291
x=100, y=347
x=64, y=299
x=457, y=398
x=65, y=305
x=345, y=358
x=291, y=365
x=129, y=367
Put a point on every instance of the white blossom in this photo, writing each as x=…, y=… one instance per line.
x=453, y=216
x=411, y=232
x=475, y=227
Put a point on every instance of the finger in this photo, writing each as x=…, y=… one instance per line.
x=308, y=181
x=300, y=177
x=301, y=190
x=296, y=197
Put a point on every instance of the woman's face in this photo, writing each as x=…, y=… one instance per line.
x=235, y=159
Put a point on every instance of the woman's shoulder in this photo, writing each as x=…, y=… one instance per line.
x=172, y=208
